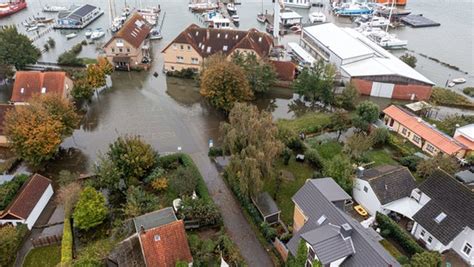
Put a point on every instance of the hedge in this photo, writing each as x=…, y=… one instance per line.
x=9, y=190
x=395, y=232
x=66, y=243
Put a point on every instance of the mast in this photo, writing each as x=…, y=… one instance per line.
x=390, y=15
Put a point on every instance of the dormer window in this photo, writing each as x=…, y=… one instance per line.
x=225, y=48
x=157, y=238
x=208, y=49
x=218, y=35
x=22, y=90
x=226, y=35
x=197, y=33
x=260, y=39
x=43, y=90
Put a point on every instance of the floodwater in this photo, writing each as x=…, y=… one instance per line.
x=169, y=113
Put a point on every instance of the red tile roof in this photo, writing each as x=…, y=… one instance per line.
x=463, y=140
x=285, y=70
x=3, y=110
x=27, y=197
x=33, y=81
x=209, y=41
x=440, y=140
x=165, y=245
x=134, y=31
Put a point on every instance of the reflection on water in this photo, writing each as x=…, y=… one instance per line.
x=183, y=91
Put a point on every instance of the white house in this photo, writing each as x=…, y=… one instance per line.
x=446, y=219
x=465, y=135
x=29, y=202
x=384, y=188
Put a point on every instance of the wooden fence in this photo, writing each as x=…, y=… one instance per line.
x=46, y=241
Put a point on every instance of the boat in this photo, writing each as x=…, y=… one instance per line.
x=71, y=35
x=88, y=33
x=150, y=14
x=261, y=16
x=387, y=40
x=451, y=84
x=155, y=34
x=32, y=28
x=43, y=20
x=117, y=23
x=235, y=19
x=351, y=9
x=53, y=9
x=459, y=80
x=375, y=21
x=360, y=210
x=12, y=7
x=219, y=22
x=317, y=17
x=202, y=6
x=396, y=12
x=297, y=3
x=231, y=8
x=296, y=28
x=97, y=34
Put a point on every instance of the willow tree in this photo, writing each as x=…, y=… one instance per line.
x=251, y=138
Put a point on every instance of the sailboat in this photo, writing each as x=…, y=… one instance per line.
x=260, y=16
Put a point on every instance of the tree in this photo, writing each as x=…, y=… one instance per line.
x=347, y=99
x=357, y=145
x=301, y=255
x=68, y=196
x=184, y=181
x=105, y=66
x=8, y=244
x=95, y=76
x=340, y=122
x=447, y=163
x=340, y=169
x=90, y=210
x=139, y=202
x=260, y=73
x=251, y=138
x=16, y=49
x=410, y=60
x=201, y=210
x=367, y=113
x=82, y=90
x=317, y=83
x=36, y=130
x=425, y=259
x=379, y=136
x=223, y=84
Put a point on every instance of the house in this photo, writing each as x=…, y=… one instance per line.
x=382, y=188
x=3, y=110
x=29, y=202
x=165, y=245
x=129, y=48
x=423, y=135
x=78, y=17
x=446, y=219
x=192, y=45
x=373, y=70
x=465, y=136
x=29, y=83
x=331, y=235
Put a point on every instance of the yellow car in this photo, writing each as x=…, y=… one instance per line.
x=360, y=210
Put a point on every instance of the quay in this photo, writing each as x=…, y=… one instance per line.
x=419, y=21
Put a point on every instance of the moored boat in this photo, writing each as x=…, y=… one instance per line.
x=54, y=9
x=351, y=10
x=459, y=80
x=88, y=33
x=12, y=7
x=155, y=34
x=235, y=19
x=71, y=35
x=97, y=34
x=317, y=17
x=231, y=8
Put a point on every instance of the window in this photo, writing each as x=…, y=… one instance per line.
x=189, y=48
x=179, y=59
x=172, y=68
x=175, y=46
x=467, y=248
x=404, y=131
x=113, y=50
x=194, y=60
x=416, y=139
x=182, y=47
x=321, y=219
x=423, y=232
x=366, y=189
x=430, y=239
x=128, y=50
x=120, y=50
x=119, y=42
x=430, y=148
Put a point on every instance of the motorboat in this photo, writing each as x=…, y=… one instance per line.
x=32, y=28
x=117, y=23
x=387, y=40
x=97, y=34
x=202, y=6
x=43, y=20
x=351, y=9
x=231, y=8
x=71, y=35
x=150, y=14
x=235, y=19
x=298, y=3
x=376, y=21
x=54, y=9
x=317, y=17
x=88, y=33
x=459, y=80
x=261, y=18
x=12, y=7
x=219, y=22
x=155, y=34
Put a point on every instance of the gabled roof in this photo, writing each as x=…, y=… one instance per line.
x=207, y=42
x=134, y=31
x=127, y=253
x=285, y=70
x=154, y=219
x=389, y=182
x=450, y=197
x=27, y=197
x=3, y=110
x=314, y=204
x=165, y=245
x=29, y=83
x=330, y=189
x=415, y=124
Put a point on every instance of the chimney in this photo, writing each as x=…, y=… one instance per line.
x=346, y=230
x=360, y=171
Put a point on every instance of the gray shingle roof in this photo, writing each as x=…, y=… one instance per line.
x=127, y=253
x=328, y=243
x=154, y=219
x=331, y=190
x=265, y=204
x=448, y=196
x=390, y=182
x=314, y=204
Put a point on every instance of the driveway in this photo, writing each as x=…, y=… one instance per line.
x=234, y=221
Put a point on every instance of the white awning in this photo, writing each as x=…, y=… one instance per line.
x=301, y=53
x=405, y=206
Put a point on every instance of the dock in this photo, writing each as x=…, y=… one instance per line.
x=419, y=21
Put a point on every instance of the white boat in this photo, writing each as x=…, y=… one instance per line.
x=231, y=8
x=376, y=21
x=459, y=80
x=261, y=17
x=297, y=3
x=150, y=14
x=288, y=17
x=117, y=23
x=71, y=35
x=235, y=19
x=32, y=28
x=48, y=8
x=88, y=33
x=201, y=7
x=388, y=41
x=317, y=17
x=451, y=84
x=97, y=34
x=155, y=34
x=219, y=22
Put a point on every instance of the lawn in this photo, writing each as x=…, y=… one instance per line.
x=381, y=157
x=43, y=256
x=391, y=248
x=328, y=149
x=301, y=172
x=308, y=123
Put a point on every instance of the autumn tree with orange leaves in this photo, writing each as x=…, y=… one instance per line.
x=36, y=131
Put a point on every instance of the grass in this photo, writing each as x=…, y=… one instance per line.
x=445, y=97
x=308, y=123
x=87, y=61
x=381, y=157
x=301, y=172
x=391, y=248
x=328, y=149
x=43, y=256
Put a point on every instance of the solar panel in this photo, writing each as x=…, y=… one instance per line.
x=84, y=10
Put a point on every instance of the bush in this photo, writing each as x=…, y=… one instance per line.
x=184, y=73
x=66, y=243
x=160, y=184
x=8, y=190
x=469, y=91
x=446, y=97
x=90, y=210
x=379, y=137
x=201, y=210
x=312, y=155
x=156, y=173
x=403, y=260
x=215, y=152
x=171, y=161
x=411, y=162
x=398, y=234
x=51, y=42
x=70, y=57
x=285, y=237
x=201, y=188
x=286, y=155
x=10, y=240
x=184, y=181
x=426, y=259
x=268, y=232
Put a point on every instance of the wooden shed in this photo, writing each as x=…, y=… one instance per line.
x=267, y=207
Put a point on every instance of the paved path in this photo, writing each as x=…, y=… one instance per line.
x=234, y=221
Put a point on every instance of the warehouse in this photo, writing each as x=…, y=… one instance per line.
x=372, y=69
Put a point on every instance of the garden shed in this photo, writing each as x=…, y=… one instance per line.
x=267, y=208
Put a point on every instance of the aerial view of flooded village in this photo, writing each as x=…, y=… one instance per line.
x=237, y=133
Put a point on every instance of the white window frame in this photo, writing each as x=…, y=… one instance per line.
x=416, y=139
x=467, y=245
x=422, y=233
x=428, y=240
x=430, y=148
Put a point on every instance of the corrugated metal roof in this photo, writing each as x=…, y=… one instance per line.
x=154, y=219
